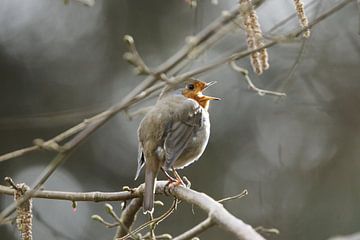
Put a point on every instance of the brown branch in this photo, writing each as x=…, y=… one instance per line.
x=154, y=221
x=196, y=230
x=217, y=213
x=128, y=216
x=207, y=223
x=245, y=73
x=80, y=196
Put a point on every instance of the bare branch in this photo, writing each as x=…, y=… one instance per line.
x=267, y=230
x=128, y=216
x=196, y=230
x=251, y=85
x=240, y=195
x=217, y=213
x=88, y=3
x=354, y=236
x=154, y=221
x=80, y=196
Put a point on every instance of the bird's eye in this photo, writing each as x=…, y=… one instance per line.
x=191, y=86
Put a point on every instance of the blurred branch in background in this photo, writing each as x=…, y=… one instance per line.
x=355, y=236
x=88, y=3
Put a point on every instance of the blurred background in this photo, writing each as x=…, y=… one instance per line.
x=297, y=156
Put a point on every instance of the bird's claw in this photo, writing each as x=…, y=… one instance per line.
x=187, y=182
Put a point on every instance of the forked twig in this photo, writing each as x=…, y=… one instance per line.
x=245, y=73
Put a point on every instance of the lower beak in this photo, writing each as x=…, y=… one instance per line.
x=211, y=98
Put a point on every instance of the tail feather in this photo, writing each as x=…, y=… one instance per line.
x=149, y=191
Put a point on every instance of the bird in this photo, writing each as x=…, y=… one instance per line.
x=173, y=134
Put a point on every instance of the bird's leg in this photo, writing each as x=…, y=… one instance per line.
x=179, y=181
x=170, y=178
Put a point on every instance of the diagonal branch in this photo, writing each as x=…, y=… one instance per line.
x=128, y=216
x=196, y=230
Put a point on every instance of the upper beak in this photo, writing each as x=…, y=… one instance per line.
x=208, y=85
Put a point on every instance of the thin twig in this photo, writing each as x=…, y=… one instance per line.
x=267, y=230
x=245, y=73
x=240, y=195
x=105, y=223
x=152, y=223
x=120, y=222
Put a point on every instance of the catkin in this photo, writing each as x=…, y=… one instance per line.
x=254, y=38
x=303, y=20
x=24, y=213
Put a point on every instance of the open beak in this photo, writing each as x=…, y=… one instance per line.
x=209, y=97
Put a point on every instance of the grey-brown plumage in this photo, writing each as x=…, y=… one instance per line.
x=173, y=134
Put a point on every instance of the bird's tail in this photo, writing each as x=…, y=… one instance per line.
x=150, y=179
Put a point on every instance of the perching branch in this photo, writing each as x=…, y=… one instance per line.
x=216, y=212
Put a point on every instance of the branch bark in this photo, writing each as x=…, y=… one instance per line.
x=216, y=212
x=128, y=216
x=195, y=231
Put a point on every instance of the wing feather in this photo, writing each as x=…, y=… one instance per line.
x=181, y=131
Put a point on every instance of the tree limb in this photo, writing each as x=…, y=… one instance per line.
x=128, y=216
x=196, y=230
x=216, y=212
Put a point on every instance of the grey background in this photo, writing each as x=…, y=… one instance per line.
x=298, y=156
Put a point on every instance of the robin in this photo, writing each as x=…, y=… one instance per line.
x=173, y=134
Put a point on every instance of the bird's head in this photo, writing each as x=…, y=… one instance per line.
x=194, y=89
